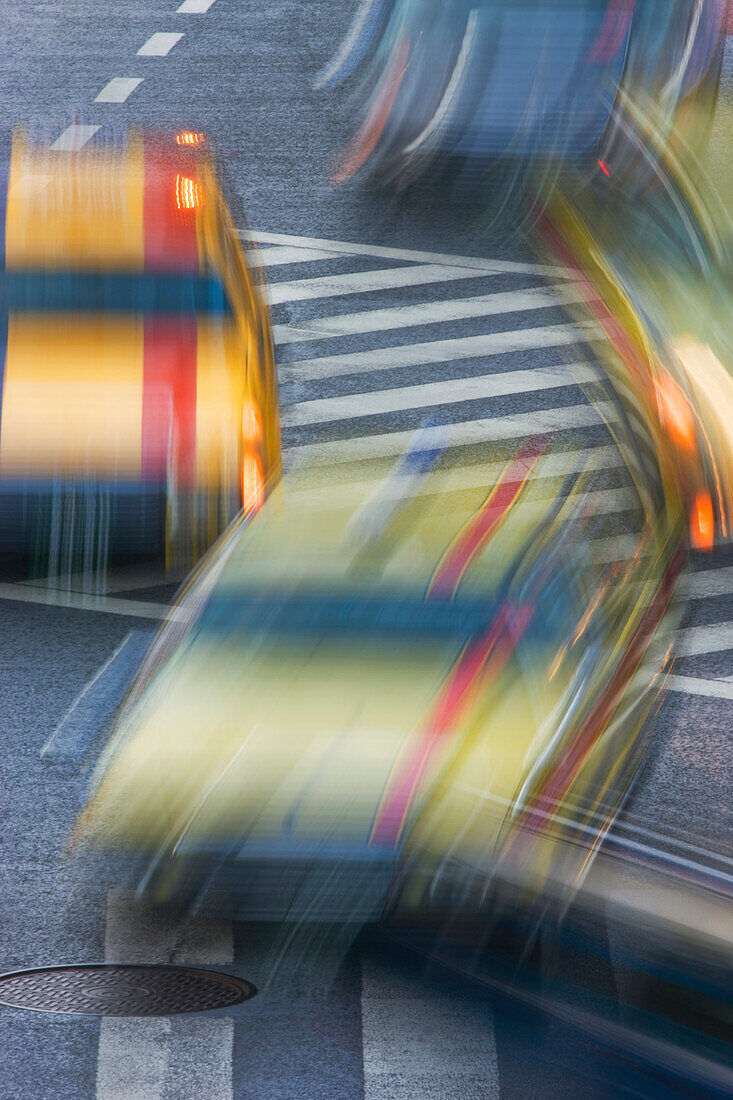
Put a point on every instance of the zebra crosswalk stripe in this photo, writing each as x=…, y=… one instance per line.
x=426, y=313
x=138, y=1059
x=434, y=394
x=434, y=351
x=487, y=430
x=365, y=282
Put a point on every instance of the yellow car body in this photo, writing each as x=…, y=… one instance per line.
x=139, y=393
x=653, y=272
x=347, y=708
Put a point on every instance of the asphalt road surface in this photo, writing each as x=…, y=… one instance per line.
x=384, y=309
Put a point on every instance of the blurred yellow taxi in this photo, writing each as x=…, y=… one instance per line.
x=380, y=691
x=139, y=397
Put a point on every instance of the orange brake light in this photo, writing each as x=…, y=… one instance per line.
x=188, y=137
x=189, y=193
x=675, y=412
x=702, y=522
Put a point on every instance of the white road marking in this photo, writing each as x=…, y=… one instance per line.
x=159, y=44
x=118, y=89
x=433, y=394
x=58, y=732
x=694, y=641
x=74, y=137
x=194, y=7
x=424, y=313
x=708, y=582
x=479, y=263
x=156, y=1059
x=279, y=255
x=697, y=685
x=433, y=351
x=137, y=609
x=422, y=1042
x=514, y=426
x=363, y=282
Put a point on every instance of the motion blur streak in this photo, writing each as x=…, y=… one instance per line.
x=506, y=89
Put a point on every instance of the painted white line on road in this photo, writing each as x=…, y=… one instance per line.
x=155, y=1059
x=136, y=609
x=159, y=44
x=74, y=137
x=420, y=1042
x=118, y=89
x=107, y=582
x=433, y=351
x=82, y=695
x=696, y=685
x=695, y=641
x=278, y=256
x=479, y=263
x=365, y=282
x=708, y=582
x=424, y=313
x=493, y=429
x=431, y=394
x=194, y=7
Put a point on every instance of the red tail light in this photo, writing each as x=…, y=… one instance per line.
x=702, y=522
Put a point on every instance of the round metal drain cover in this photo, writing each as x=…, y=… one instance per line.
x=108, y=990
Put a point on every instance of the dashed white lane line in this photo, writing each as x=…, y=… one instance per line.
x=159, y=44
x=118, y=89
x=425, y=313
x=433, y=351
x=74, y=137
x=435, y=394
x=194, y=7
x=422, y=1042
x=362, y=282
x=162, y=1058
x=478, y=263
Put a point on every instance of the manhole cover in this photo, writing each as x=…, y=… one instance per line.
x=98, y=990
